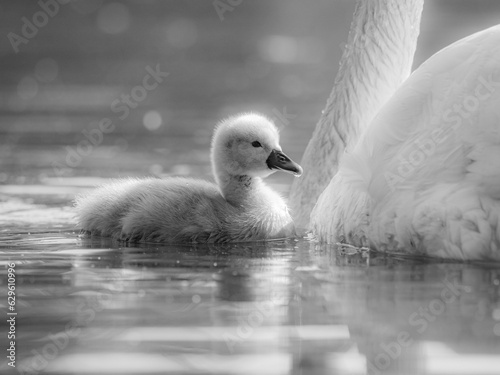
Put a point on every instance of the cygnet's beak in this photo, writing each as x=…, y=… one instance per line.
x=278, y=160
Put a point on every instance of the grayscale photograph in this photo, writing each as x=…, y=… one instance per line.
x=250, y=187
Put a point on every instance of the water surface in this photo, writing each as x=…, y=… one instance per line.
x=97, y=306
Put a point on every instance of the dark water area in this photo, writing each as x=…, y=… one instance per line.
x=77, y=108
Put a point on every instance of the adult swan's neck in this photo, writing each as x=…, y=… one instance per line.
x=376, y=60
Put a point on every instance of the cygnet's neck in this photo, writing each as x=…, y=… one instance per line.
x=240, y=190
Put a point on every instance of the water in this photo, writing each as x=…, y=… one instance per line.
x=96, y=306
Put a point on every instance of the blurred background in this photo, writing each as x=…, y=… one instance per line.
x=64, y=68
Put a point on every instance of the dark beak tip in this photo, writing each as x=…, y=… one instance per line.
x=278, y=160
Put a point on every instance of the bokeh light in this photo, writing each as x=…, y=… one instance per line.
x=156, y=169
x=46, y=70
x=181, y=170
x=278, y=49
x=182, y=33
x=152, y=120
x=113, y=18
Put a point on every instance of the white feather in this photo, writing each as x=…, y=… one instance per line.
x=427, y=170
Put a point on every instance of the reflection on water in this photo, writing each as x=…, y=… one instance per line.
x=92, y=305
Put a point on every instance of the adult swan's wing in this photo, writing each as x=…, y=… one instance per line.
x=425, y=175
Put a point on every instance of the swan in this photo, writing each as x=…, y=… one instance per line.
x=418, y=171
x=239, y=207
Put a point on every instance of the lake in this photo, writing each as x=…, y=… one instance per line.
x=96, y=306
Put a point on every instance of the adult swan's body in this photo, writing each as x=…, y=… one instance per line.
x=422, y=168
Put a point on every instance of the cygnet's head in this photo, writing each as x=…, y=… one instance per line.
x=248, y=145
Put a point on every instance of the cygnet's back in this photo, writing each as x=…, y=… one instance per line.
x=176, y=210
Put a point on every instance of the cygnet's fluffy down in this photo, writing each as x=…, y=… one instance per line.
x=239, y=207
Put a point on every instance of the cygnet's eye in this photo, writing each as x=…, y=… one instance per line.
x=256, y=144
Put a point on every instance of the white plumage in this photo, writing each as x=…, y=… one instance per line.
x=424, y=177
x=240, y=207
